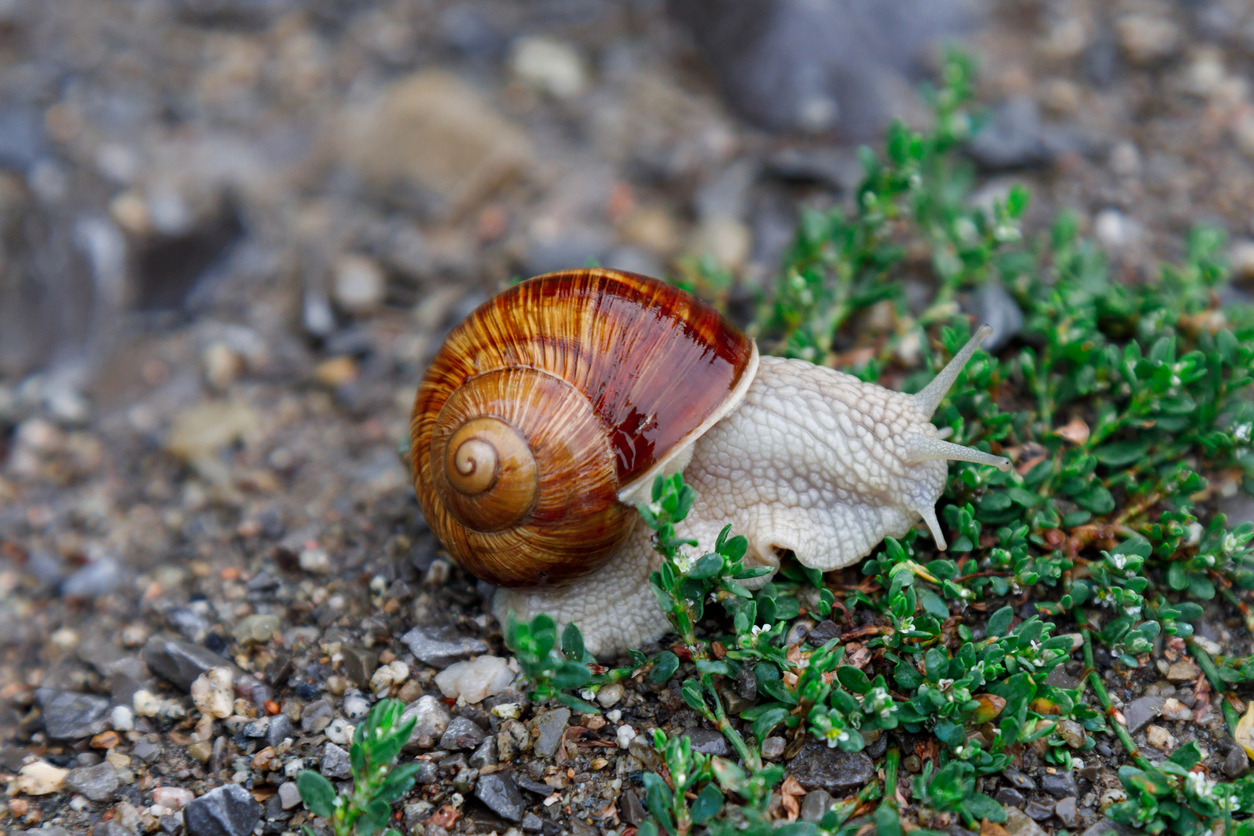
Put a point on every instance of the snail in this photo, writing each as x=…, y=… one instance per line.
x=546, y=415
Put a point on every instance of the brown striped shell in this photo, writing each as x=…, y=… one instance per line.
x=550, y=406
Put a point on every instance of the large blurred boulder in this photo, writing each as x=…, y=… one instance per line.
x=819, y=65
x=433, y=143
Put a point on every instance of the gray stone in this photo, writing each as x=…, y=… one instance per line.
x=146, y=751
x=798, y=65
x=289, y=795
x=532, y=823
x=1139, y=713
x=316, y=717
x=498, y=791
x=1018, y=824
x=550, y=726
x=708, y=742
x=1059, y=785
x=98, y=783
x=461, y=734
x=69, y=715
x=335, y=762
x=631, y=808
x=1017, y=779
x=1067, y=812
x=257, y=728
x=1237, y=763
x=1109, y=827
x=226, y=811
x=1009, y=797
x=441, y=645
x=485, y=755
x=1013, y=137
x=1039, y=809
x=773, y=748
x=992, y=304
x=180, y=662
x=104, y=828
x=432, y=718
x=818, y=767
x=278, y=729
x=359, y=665
x=814, y=805
x=100, y=577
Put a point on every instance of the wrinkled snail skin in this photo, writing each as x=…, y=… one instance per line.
x=794, y=456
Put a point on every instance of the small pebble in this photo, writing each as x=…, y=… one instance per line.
x=172, y=798
x=1160, y=738
x=610, y=694
x=773, y=748
x=625, y=735
x=335, y=762
x=340, y=731
x=122, y=718
x=1173, y=709
x=476, y=680
x=39, y=778
x=432, y=718
x=289, y=795
x=356, y=706
x=388, y=675
x=213, y=692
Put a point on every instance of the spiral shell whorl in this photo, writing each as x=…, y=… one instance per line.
x=525, y=479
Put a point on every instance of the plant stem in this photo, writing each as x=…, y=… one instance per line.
x=1121, y=731
x=845, y=809
x=890, y=776
x=1217, y=685
x=752, y=760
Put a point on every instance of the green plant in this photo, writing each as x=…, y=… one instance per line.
x=377, y=780
x=1124, y=407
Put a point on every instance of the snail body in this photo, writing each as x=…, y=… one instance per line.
x=546, y=415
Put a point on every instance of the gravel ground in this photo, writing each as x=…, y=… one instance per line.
x=226, y=262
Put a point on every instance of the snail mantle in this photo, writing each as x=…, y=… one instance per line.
x=548, y=412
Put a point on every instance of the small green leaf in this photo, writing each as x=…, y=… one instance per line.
x=709, y=802
x=317, y=793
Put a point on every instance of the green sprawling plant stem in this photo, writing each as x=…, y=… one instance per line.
x=1125, y=408
x=377, y=780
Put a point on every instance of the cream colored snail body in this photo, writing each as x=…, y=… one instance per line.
x=548, y=412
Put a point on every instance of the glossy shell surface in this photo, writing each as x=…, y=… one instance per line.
x=603, y=375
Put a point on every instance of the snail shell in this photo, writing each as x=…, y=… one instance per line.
x=551, y=408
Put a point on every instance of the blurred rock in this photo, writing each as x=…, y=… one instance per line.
x=434, y=143
x=818, y=767
x=1013, y=138
x=992, y=304
x=1147, y=38
x=551, y=66
x=72, y=716
x=818, y=65
x=360, y=284
x=499, y=792
x=226, y=811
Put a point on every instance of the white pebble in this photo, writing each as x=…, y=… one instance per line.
x=388, y=675
x=360, y=284
x=213, y=693
x=146, y=705
x=39, y=778
x=340, y=731
x=172, y=798
x=122, y=718
x=626, y=734
x=315, y=560
x=610, y=694
x=476, y=680
x=552, y=66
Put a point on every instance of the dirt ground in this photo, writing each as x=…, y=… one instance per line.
x=249, y=224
